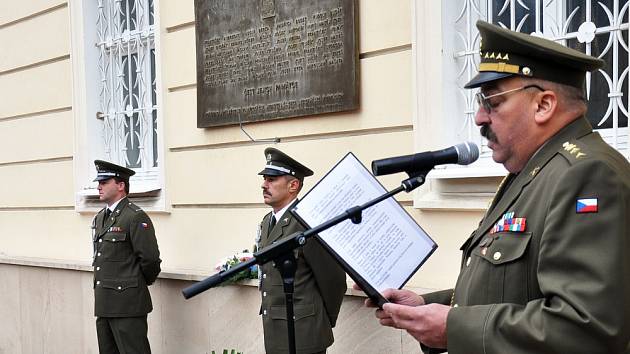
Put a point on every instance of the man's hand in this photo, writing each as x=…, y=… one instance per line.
x=402, y=297
x=407, y=310
x=426, y=323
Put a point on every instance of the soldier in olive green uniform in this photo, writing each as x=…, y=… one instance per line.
x=548, y=269
x=126, y=262
x=320, y=282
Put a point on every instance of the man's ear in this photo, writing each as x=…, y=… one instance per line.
x=294, y=185
x=547, y=104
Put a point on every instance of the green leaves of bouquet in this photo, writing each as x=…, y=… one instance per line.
x=231, y=261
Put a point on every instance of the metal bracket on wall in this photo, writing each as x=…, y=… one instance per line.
x=268, y=140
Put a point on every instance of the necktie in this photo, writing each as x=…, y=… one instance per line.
x=107, y=213
x=272, y=223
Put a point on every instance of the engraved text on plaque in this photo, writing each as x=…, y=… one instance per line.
x=269, y=59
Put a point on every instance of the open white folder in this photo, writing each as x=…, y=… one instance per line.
x=385, y=249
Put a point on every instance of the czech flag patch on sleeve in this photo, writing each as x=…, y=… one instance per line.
x=586, y=205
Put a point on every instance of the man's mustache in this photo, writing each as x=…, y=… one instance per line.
x=487, y=133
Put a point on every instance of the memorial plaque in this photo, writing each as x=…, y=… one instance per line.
x=269, y=59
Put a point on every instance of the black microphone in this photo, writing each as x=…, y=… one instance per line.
x=461, y=154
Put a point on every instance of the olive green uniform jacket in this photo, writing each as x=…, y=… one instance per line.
x=563, y=284
x=126, y=261
x=320, y=284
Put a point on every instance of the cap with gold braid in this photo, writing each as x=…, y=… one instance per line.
x=506, y=53
x=279, y=163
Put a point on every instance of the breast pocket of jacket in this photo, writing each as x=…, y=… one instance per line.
x=503, y=267
x=115, y=247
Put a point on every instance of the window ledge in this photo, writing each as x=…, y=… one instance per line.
x=148, y=197
x=478, y=169
x=139, y=191
x=453, y=201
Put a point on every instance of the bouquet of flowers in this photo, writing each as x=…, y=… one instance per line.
x=231, y=261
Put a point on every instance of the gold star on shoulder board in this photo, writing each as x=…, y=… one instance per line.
x=573, y=150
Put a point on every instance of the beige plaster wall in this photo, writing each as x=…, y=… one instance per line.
x=212, y=173
x=211, y=181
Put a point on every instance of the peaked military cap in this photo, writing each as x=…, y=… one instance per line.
x=279, y=163
x=506, y=53
x=106, y=170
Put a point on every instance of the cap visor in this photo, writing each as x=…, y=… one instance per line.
x=102, y=178
x=271, y=172
x=485, y=77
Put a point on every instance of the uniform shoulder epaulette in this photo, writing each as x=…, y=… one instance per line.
x=134, y=207
x=574, y=151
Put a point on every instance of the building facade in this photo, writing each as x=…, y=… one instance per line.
x=81, y=80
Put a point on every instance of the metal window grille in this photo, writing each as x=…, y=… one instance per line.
x=127, y=95
x=595, y=27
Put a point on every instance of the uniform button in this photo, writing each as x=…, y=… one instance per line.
x=98, y=268
x=456, y=305
x=264, y=293
x=264, y=276
x=101, y=240
x=113, y=240
x=468, y=262
x=120, y=287
x=98, y=254
x=98, y=282
x=264, y=312
x=496, y=256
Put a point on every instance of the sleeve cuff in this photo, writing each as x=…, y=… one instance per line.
x=466, y=328
x=439, y=297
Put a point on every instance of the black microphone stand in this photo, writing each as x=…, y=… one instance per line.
x=281, y=252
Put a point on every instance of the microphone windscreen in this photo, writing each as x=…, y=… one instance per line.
x=467, y=153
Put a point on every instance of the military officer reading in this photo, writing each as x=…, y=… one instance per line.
x=547, y=269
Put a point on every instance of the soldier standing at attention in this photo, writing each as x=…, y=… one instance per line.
x=548, y=268
x=320, y=282
x=126, y=262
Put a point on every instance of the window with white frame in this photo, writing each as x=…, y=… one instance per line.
x=595, y=27
x=116, y=93
x=127, y=92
